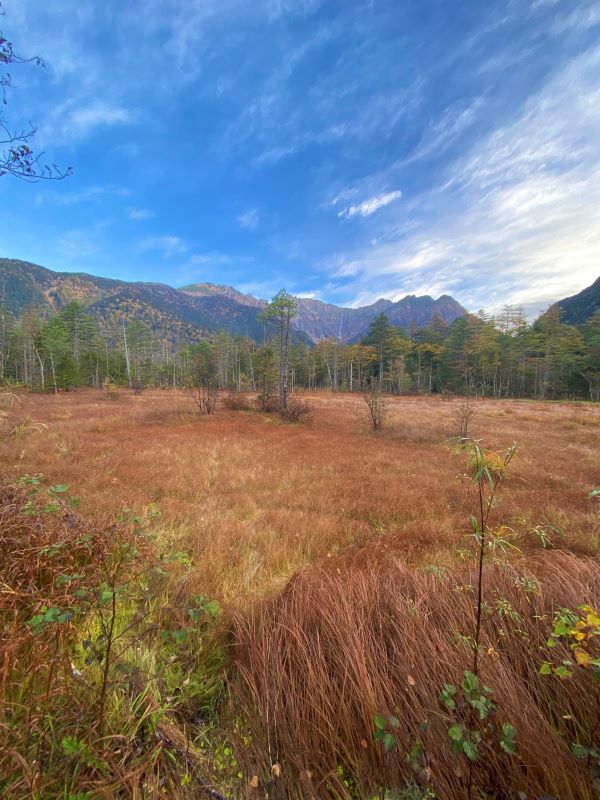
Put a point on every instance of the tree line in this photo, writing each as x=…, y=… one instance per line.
x=501, y=356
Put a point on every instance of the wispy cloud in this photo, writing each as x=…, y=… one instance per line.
x=90, y=194
x=454, y=121
x=82, y=121
x=264, y=289
x=517, y=218
x=249, y=219
x=166, y=245
x=139, y=213
x=370, y=206
x=213, y=257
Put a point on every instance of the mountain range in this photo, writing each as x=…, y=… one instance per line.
x=578, y=308
x=202, y=308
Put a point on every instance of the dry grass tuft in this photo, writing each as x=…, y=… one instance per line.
x=267, y=403
x=233, y=400
x=297, y=410
x=341, y=644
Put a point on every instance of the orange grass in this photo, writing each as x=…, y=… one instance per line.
x=254, y=500
x=341, y=644
x=313, y=537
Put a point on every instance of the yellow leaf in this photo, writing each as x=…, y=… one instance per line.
x=410, y=680
x=582, y=658
x=276, y=770
x=254, y=781
x=593, y=620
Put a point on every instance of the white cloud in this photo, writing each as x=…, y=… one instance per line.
x=262, y=289
x=75, y=121
x=83, y=121
x=249, y=219
x=167, y=245
x=139, y=213
x=517, y=219
x=453, y=123
x=215, y=257
x=90, y=194
x=370, y=206
x=310, y=295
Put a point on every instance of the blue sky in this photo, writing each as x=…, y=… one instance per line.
x=345, y=150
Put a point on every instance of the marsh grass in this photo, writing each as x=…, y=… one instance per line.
x=338, y=645
x=340, y=562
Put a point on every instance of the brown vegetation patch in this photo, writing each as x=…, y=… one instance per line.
x=339, y=645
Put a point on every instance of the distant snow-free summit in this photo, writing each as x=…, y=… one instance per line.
x=319, y=320
x=202, y=308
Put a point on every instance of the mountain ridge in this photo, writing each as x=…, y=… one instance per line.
x=322, y=320
x=202, y=308
x=580, y=307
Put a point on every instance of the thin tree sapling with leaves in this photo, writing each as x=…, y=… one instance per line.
x=280, y=311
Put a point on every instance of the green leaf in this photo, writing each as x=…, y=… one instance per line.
x=507, y=742
x=63, y=579
x=58, y=488
x=212, y=608
x=380, y=721
x=447, y=696
x=470, y=682
x=483, y=705
x=389, y=742
x=38, y=622
x=456, y=732
x=179, y=558
x=71, y=746
x=563, y=672
x=106, y=595
x=470, y=750
x=579, y=750
x=415, y=752
x=394, y=721
x=546, y=668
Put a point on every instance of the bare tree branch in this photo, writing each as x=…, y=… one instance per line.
x=16, y=157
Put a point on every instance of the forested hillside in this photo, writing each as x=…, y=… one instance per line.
x=199, y=309
x=497, y=357
x=171, y=315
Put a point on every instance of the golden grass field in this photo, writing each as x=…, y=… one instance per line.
x=255, y=500
x=313, y=538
